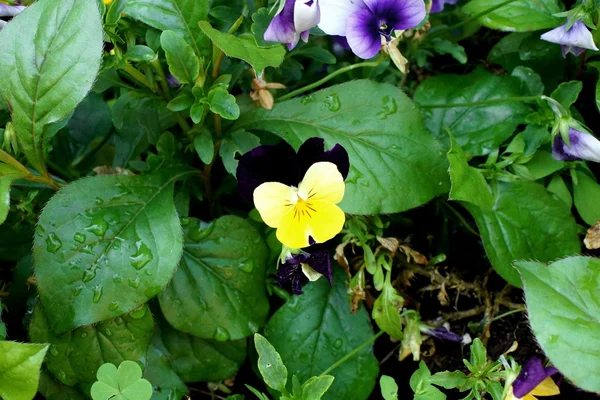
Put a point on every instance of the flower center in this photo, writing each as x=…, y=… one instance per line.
x=385, y=30
x=303, y=208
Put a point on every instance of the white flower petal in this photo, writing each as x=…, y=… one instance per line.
x=334, y=14
x=306, y=14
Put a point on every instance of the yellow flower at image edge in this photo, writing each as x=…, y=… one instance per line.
x=307, y=211
x=546, y=388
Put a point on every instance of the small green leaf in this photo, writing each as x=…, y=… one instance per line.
x=389, y=388
x=596, y=65
x=586, y=194
x=183, y=63
x=261, y=396
x=443, y=46
x=468, y=183
x=563, y=308
x=8, y=174
x=113, y=15
x=125, y=383
x=140, y=53
x=159, y=371
x=203, y=143
x=543, y=164
x=244, y=47
x=531, y=82
x=449, y=380
x=260, y=22
x=567, y=92
x=237, y=142
x=419, y=383
x=520, y=15
x=20, y=369
x=558, y=186
x=181, y=102
x=315, y=387
x=223, y=103
x=271, y=367
x=387, y=309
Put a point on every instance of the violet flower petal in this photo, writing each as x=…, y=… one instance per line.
x=282, y=29
x=266, y=164
x=362, y=32
x=321, y=262
x=583, y=147
x=444, y=334
x=532, y=374
x=578, y=36
x=399, y=14
x=313, y=151
x=10, y=11
x=438, y=5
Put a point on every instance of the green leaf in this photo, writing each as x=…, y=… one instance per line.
x=420, y=384
x=477, y=129
x=223, y=103
x=49, y=58
x=543, y=164
x=91, y=120
x=392, y=169
x=563, y=307
x=179, y=16
x=167, y=384
x=20, y=369
x=236, y=142
x=53, y=390
x=183, y=62
x=223, y=266
x=596, y=65
x=123, y=383
x=526, y=222
x=519, y=15
x=389, y=388
x=76, y=356
x=245, y=48
x=443, y=46
x=468, y=183
x=559, y=188
x=387, y=309
x=200, y=360
x=271, y=367
x=260, y=22
x=315, y=387
x=531, y=82
x=105, y=245
x=567, y=92
x=586, y=193
x=203, y=143
x=113, y=15
x=8, y=174
x=449, y=379
x=182, y=102
x=313, y=331
x=140, y=53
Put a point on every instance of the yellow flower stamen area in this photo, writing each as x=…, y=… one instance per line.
x=107, y=2
x=309, y=210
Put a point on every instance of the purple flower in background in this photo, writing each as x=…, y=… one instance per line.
x=583, y=147
x=535, y=380
x=442, y=333
x=313, y=265
x=377, y=19
x=7, y=11
x=574, y=40
x=293, y=22
x=172, y=81
x=438, y=5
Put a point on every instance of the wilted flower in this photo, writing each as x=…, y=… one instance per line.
x=313, y=264
x=441, y=333
x=260, y=93
x=573, y=40
x=296, y=193
x=438, y=5
x=583, y=146
x=534, y=380
x=293, y=22
x=376, y=20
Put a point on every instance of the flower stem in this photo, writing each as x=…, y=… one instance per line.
x=481, y=103
x=138, y=76
x=329, y=77
x=352, y=353
x=506, y=314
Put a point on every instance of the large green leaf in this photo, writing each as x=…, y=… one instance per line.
x=180, y=16
x=54, y=390
x=20, y=369
x=526, y=222
x=218, y=291
x=520, y=15
x=104, y=245
x=200, y=360
x=563, y=303
x=8, y=174
x=49, y=58
x=477, y=129
x=183, y=63
x=313, y=331
x=245, y=48
x=394, y=164
x=76, y=356
x=167, y=384
x=586, y=194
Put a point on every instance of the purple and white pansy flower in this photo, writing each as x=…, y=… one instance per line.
x=438, y=5
x=583, y=146
x=574, y=40
x=294, y=22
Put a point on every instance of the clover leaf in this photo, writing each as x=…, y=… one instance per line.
x=124, y=383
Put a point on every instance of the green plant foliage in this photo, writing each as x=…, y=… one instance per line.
x=562, y=302
x=586, y=192
x=183, y=62
x=124, y=383
x=271, y=367
x=520, y=15
x=19, y=369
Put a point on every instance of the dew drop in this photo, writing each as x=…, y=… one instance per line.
x=332, y=102
x=247, y=266
x=139, y=313
x=77, y=290
x=108, y=332
x=221, y=334
x=185, y=221
x=99, y=201
x=53, y=243
x=253, y=327
x=142, y=257
x=307, y=99
x=119, y=321
x=79, y=237
x=84, y=335
x=116, y=245
x=389, y=106
x=338, y=343
x=97, y=293
x=89, y=274
x=134, y=283
x=98, y=227
x=114, y=306
x=117, y=279
x=54, y=351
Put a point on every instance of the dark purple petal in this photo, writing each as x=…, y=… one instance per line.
x=532, y=374
x=362, y=33
x=313, y=151
x=266, y=164
x=297, y=284
x=444, y=334
x=172, y=81
x=286, y=272
x=321, y=262
x=282, y=29
x=583, y=146
x=559, y=150
x=398, y=14
x=438, y=5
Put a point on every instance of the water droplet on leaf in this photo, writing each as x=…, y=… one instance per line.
x=221, y=334
x=142, y=257
x=338, y=343
x=97, y=293
x=79, y=237
x=98, y=227
x=53, y=243
x=134, y=283
x=54, y=351
x=139, y=313
x=113, y=306
x=332, y=102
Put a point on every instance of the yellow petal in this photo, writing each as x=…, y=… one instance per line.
x=546, y=388
x=273, y=200
x=319, y=219
x=322, y=182
x=528, y=397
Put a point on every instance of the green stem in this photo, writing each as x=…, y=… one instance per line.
x=352, y=353
x=330, y=77
x=138, y=76
x=461, y=219
x=506, y=314
x=468, y=20
x=482, y=103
